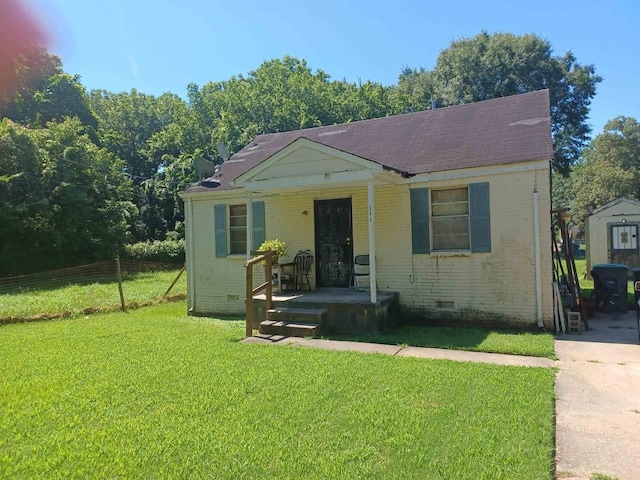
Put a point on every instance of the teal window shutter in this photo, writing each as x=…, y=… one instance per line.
x=420, y=220
x=220, y=225
x=258, y=225
x=479, y=217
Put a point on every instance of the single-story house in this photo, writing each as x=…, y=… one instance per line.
x=611, y=234
x=451, y=205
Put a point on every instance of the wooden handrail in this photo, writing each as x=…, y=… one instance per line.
x=267, y=257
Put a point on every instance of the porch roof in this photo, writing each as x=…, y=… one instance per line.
x=500, y=131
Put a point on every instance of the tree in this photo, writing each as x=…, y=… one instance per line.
x=414, y=91
x=611, y=167
x=148, y=133
x=22, y=198
x=89, y=195
x=282, y=95
x=489, y=66
x=43, y=92
x=63, y=200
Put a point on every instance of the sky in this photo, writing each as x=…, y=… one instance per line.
x=158, y=46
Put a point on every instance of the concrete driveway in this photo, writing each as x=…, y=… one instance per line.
x=598, y=400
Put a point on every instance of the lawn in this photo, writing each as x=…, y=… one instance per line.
x=152, y=393
x=75, y=299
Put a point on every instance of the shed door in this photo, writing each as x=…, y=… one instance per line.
x=334, y=248
x=624, y=245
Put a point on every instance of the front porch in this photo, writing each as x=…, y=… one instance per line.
x=336, y=310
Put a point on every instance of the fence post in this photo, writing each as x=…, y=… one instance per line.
x=119, y=272
x=184, y=267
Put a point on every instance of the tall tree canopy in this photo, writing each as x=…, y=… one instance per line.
x=611, y=167
x=283, y=95
x=43, y=92
x=501, y=64
x=148, y=133
x=63, y=200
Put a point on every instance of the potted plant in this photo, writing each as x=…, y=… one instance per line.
x=274, y=245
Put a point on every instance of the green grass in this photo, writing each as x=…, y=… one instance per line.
x=152, y=393
x=475, y=339
x=75, y=299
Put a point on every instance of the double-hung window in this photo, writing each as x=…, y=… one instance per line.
x=232, y=230
x=450, y=219
x=237, y=229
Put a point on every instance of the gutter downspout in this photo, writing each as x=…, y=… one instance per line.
x=190, y=270
x=536, y=259
x=373, y=281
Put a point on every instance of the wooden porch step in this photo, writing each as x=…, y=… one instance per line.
x=288, y=329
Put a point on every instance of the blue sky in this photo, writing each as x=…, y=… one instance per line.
x=161, y=46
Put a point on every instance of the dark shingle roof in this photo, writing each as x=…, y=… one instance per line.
x=493, y=132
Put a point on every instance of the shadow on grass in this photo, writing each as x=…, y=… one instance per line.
x=461, y=338
x=422, y=336
x=92, y=310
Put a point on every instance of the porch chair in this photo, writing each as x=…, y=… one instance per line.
x=299, y=274
x=360, y=268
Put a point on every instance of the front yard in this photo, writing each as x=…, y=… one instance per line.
x=153, y=393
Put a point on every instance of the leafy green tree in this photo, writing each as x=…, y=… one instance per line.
x=489, y=66
x=27, y=73
x=562, y=193
x=88, y=193
x=43, y=92
x=148, y=133
x=611, y=167
x=63, y=200
x=22, y=198
x=414, y=91
x=281, y=95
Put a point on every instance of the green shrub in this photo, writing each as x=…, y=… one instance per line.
x=166, y=251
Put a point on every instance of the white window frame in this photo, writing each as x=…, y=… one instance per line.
x=435, y=243
x=233, y=245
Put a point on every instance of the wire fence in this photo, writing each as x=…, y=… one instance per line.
x=109, y=285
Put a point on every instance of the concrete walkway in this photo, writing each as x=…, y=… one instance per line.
x=598, y=400
x=422, y=352
x=597, y=391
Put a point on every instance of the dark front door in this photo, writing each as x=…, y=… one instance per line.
x=333, y=242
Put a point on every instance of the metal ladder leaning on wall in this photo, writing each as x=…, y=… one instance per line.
x=571, y=274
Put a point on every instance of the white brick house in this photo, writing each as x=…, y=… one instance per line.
x=451, y=204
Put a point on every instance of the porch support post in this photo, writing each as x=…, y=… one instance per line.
x=373, y=282
x=190, y=255
x=249, y=225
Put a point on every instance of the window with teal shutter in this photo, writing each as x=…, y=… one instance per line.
x=480, y=217
x=458, y=219
x=420, y=220
x=220, y=227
